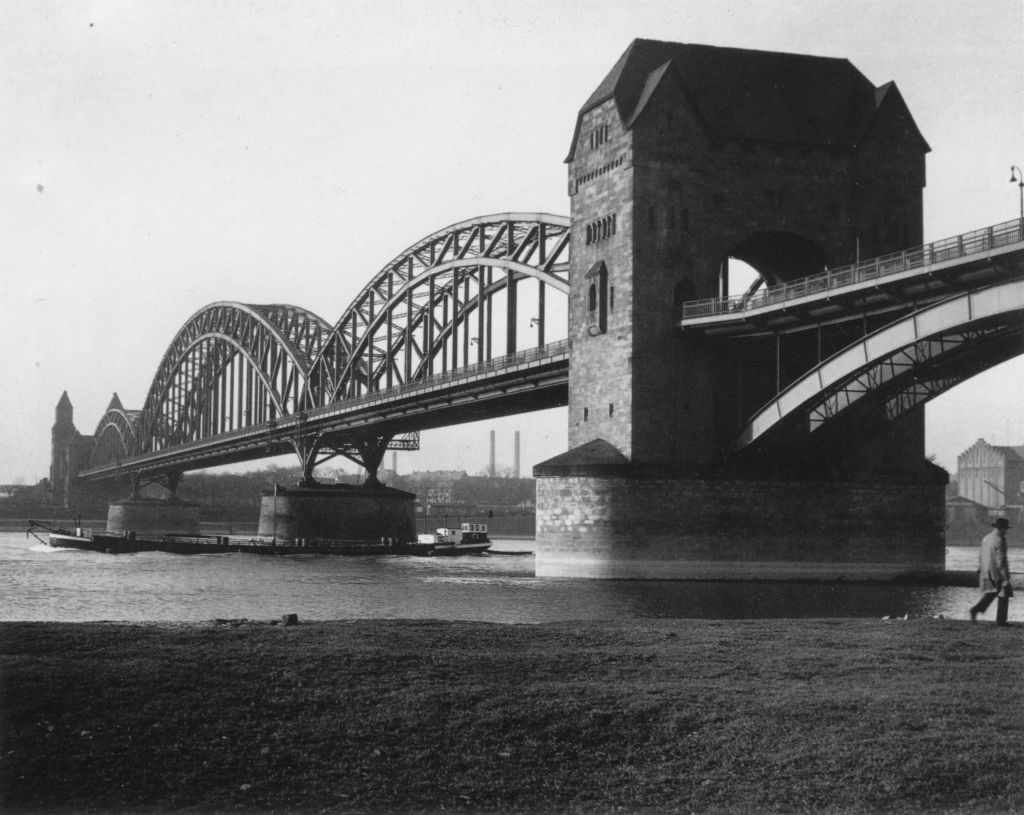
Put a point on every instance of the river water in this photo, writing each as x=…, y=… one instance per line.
x=40, y=583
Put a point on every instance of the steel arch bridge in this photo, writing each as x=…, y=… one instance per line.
x=456, y=328
x=242, y=381
x=115, y=435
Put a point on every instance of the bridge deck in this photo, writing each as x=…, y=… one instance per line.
x=908, y=279
x=533, y=379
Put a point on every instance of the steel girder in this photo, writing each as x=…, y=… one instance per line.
x=314, y=449
x=230, y=366
x=431, y=309
x=904, y=364
x=921, y=371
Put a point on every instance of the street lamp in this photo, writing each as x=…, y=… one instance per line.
x=1014, y=173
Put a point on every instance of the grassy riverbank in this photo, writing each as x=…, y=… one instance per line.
x=374, y=716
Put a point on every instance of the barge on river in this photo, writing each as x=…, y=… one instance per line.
x=130, y=542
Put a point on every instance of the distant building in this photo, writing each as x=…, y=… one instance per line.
x=440, y=495
x=993, y=476
x=69, y=453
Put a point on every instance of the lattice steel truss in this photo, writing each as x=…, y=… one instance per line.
x=913, y=375
x=230, y=366
x=115, y=436
x=902, y=365
x=452, y=299
x=448, y=300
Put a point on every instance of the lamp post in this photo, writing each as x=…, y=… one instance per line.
x=1019, y=181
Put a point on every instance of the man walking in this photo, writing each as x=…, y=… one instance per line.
x=994, y=576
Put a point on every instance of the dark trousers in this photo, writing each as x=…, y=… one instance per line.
x=1001, y=607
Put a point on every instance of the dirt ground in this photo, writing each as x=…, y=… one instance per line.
x=821, y=716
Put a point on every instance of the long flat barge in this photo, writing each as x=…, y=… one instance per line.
x=130, y=542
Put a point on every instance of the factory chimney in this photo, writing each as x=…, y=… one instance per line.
x=490, y=467
x=515, y=464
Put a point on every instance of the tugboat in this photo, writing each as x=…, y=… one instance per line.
x=469, y=539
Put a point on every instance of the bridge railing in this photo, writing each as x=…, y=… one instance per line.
x=969, y=243
x=430, y=382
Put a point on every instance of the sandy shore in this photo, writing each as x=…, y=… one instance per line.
x=433, y=716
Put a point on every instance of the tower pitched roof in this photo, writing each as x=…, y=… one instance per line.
x=64, y=412
x=742, y=93
x=596, y=453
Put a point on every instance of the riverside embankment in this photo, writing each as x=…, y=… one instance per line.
x=852, y=716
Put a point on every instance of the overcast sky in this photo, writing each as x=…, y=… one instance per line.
x=159, y=156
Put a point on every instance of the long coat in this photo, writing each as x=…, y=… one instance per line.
x=994, y=568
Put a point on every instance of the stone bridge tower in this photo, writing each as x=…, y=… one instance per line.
x=683, y=157
x=69, y=453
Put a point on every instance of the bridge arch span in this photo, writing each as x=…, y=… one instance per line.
x=450, y=299
x=115, y=436
x=902, y=365
x=231, y=365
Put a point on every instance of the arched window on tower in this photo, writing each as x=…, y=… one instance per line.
x=597, y=300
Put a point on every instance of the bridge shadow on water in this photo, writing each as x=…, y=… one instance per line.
x=564, y=599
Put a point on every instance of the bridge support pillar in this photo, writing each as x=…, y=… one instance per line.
x=153, y=516
x=338, y=512
x=622, y=521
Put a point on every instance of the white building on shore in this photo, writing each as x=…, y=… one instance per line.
x=993, y=476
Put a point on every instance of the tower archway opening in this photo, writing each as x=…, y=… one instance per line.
x=767, y=259
x=740, y=278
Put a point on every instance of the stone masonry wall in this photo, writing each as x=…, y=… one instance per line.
x=676, y=528
x=684, y=200
x=600, y=372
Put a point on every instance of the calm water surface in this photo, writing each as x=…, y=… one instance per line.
x=40, y=583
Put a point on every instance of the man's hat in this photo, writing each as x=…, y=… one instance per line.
x=1002, y=523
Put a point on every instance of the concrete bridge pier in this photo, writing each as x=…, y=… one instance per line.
x=341, y=512
x=600, y=517
x=345, y=512
x=153, y=516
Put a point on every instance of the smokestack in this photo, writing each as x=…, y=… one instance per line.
x=490, y=468
x=515, y=464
